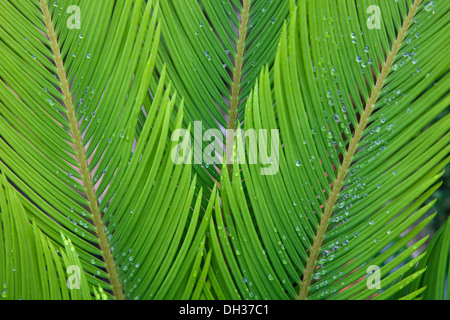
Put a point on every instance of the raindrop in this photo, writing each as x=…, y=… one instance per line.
x=429, y=6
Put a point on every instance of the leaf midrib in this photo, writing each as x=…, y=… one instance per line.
x=347, y=161
x=237, y=73
x=81, y=157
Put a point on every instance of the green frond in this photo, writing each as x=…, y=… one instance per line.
x=357, y=161
x=88, y=145
x=201, y=41
x=214, y=51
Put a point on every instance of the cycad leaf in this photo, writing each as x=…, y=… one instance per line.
x=214, y=51
x=212, y=46
x=87, y=144
x=351, y=185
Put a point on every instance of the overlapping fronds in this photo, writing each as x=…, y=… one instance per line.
x=351, y=96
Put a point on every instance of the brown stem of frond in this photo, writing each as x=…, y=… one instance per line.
x=81, y=156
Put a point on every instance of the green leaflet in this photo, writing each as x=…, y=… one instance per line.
x=437, y=264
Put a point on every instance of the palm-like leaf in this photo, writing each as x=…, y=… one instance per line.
x=350, y=188
x=214, y=51
x=217, y=50
x=70, y=104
